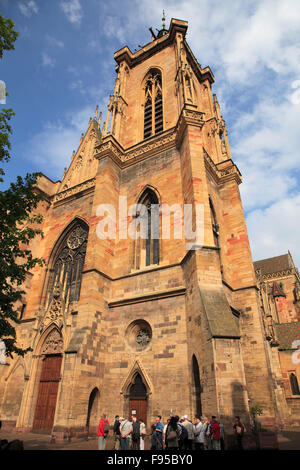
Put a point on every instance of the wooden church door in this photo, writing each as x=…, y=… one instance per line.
x=47, y=395
x=138, y=399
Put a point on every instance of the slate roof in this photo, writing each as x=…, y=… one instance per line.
x=221, y=321
x=273, y=265
x=287, y=333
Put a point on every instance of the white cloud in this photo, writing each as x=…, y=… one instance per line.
x=275, y=230
x=253, y=49
x=28, y=8
x=267, y=151
x=54, y=41
x=72, y=10
x=52, y=147
x=47, y=61
x=78, y=85
x=113, y=27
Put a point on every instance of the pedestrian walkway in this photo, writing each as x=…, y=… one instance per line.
x=288, y=440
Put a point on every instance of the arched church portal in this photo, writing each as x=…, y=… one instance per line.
x=51, y=354
x=138, y=399
x=93, y=412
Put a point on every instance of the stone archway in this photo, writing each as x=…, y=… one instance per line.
x=129, y=393
x=51, y=353
x=138, y=399
x=93, y=412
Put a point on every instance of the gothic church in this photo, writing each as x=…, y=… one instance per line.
x=145, y=326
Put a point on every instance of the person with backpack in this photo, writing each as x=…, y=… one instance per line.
x=172, y=434
x=103, y=430
x=239, y=430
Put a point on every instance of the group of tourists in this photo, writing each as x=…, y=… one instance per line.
x=177, y=434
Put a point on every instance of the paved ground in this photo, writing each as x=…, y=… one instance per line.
x=288, y=440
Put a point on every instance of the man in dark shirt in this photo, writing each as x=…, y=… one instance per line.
x=135, y=434
x=117, y=433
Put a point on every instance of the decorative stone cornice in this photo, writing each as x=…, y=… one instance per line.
x=176, y=26
x=133, y=59
x=147, y=297
x=223, y=171
x=188, y=117
x=147, y=148
x=86, y=187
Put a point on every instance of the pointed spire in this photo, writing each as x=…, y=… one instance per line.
x=163, y=21
x=277, y=290
x=99, y=120
x=163, y=31
x=96, y=112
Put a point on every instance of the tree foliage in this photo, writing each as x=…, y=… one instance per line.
x=8, y=35
x=17, y=223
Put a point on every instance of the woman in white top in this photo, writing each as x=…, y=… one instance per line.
x=142, y=434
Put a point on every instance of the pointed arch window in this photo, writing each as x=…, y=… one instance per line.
x=197, y=385
x=294, y=384
x=68, y=264
x=147, y=248
x=153, y=113
x=215, y=226
x=138, y=388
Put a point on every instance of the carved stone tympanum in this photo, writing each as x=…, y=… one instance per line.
x=53, y=343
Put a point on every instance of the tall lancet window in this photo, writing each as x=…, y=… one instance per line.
x=294, y=384
x=147, y=242
x=68, y=264
x=214, y=223
x=153, y=114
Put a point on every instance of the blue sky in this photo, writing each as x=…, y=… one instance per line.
x=63, y=66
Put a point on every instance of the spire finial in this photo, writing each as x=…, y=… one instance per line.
x=163, y=20
x=96, y=112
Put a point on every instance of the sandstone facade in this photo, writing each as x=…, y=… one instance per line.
x=157, y=328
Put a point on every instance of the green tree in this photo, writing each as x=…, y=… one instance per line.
x=8, y=35
x=17, y=222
